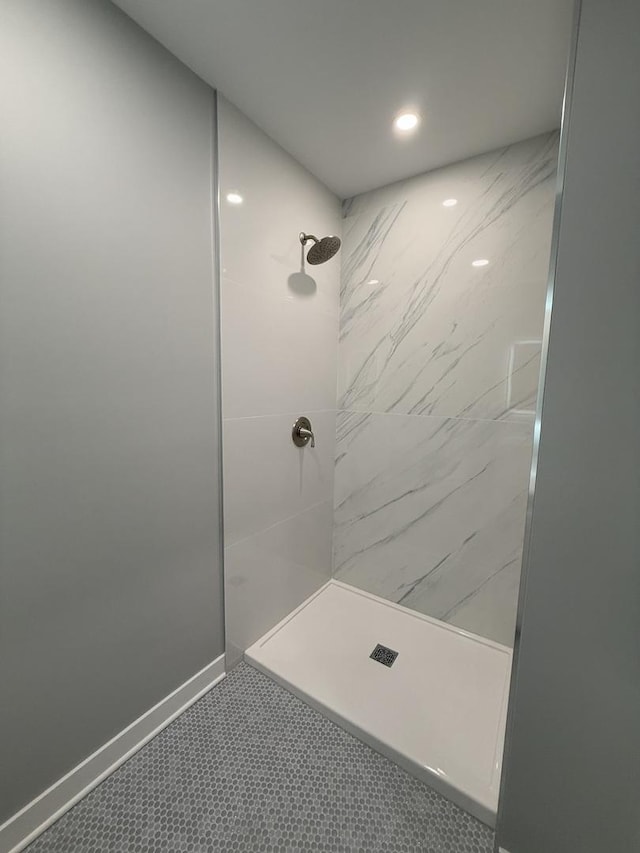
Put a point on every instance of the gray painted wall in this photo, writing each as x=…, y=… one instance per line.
x=109, y=502
x=572, y=774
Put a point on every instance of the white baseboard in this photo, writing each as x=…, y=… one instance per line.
x=21, y=829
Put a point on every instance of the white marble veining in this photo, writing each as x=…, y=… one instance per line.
x=490, y=610
x=422, y=331
x=429, y=510
x=437, y=375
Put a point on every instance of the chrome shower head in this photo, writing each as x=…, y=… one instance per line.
x=322, y=250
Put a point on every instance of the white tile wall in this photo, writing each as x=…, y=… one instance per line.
x=268, y=478
x=422, y=330
x=273, y=571
x=437, y=365
x=437, y=373
x=279, y=352
x=428, y=509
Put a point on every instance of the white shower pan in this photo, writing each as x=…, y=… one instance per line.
x=439, y=711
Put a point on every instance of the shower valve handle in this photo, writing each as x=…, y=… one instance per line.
x=302, y=433
x=308, y=434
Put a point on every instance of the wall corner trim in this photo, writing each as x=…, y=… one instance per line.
x=21, y=829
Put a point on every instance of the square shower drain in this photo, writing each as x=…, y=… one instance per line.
x=383, y=655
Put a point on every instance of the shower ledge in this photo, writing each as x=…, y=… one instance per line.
x=439, y=711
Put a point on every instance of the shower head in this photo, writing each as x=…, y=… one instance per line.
x=322, y=250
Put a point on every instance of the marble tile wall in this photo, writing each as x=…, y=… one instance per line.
x=438, y=364
x=279, y=350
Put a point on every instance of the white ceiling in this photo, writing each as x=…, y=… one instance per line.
x=324, y=78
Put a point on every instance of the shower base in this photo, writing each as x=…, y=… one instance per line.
x=438, y=710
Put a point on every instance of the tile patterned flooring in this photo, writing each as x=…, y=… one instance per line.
x=249, y=767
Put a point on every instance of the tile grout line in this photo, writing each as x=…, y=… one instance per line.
x=278, y=523
x=287, y=414
x=517, y=422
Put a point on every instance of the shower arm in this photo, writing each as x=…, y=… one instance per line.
x=306, y=237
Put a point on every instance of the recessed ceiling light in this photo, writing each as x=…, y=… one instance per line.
x=234, y=198
x=406, y=121
x=450, y=202
x=480, y=262
x=373, y=281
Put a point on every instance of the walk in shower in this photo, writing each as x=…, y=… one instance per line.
x=379, y=396
x=442, y=294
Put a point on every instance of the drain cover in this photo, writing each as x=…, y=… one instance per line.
x=383, y=655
